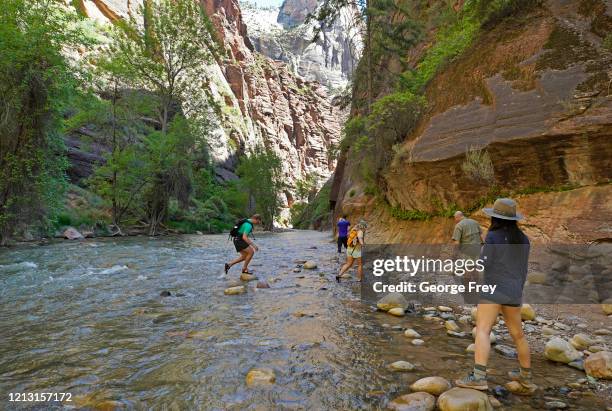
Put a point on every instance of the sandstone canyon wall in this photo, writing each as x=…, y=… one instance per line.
x=534, y=93
x=262, y=101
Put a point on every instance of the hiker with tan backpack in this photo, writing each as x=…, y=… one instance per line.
x=355, y=244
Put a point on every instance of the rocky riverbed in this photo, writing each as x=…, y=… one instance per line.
x=147, y=323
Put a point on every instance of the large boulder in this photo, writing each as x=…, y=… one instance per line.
x=464, y=399
x=559, y=350
x=72, y=233
x=392, y=300
x=417, y=401
x=431, y=385
x=599, y=365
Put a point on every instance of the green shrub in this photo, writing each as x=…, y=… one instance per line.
x=478, y=166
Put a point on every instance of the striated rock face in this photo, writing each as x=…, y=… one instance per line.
x=262, y=101
x=283, y=34
x=535, y=97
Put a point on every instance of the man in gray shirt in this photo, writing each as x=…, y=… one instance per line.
x=468, y=235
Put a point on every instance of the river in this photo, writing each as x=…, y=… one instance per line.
x=87, y=318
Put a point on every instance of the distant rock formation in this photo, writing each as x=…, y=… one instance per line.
x=283, y=34
x=263, y=101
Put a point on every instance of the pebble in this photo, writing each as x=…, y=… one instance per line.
x=561, y=326
x=602, y=331
x=581, y=341
x=506, y=351
x=402, y=366
x=471, y=348
x=517, y=388
x=447, y=316
x=456, y=334
x=556, y=405
x=417, y=341
x=429, y=309
x=410, y=333
x=444, y=309
x=451, y=325
x=577, y=364
x=546, y=330
x=465, y=319
x=494, y=402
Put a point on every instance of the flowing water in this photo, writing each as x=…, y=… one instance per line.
x=87, y=318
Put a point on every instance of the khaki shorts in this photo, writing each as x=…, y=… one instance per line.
x=353, y=252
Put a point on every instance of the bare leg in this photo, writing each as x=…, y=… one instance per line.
x=240, y=258
x=359, y=269
x=247, y=259
x=487, y=314
x=512, y=317
x=347, y=265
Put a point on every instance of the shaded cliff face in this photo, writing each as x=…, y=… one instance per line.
x=283, y=34
x=262, y=101
x=533, y=94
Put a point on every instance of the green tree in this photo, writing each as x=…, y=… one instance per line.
x=165, y=55
x=35, y=83
x=261, y=176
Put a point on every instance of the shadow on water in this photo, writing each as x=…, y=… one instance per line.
x=87, y=318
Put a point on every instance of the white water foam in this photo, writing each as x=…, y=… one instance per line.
x=114, y=269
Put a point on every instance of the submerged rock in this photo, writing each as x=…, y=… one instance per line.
x=417, y=401
x=392, y=300
x=247, y=277
x=431, y=385
x=165, y=293
x=402, y=366
x=463, y=399
x=263, y=284
x=599, y=365
x=234, y=290
x=559, y=350
x=410, y=333
x=260, y=376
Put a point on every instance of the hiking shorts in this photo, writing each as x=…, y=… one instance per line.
x=240, y=244
x=354, y=252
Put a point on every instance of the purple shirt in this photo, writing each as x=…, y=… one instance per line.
x=343, y=226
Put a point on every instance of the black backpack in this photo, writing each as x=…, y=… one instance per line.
x=234, y=231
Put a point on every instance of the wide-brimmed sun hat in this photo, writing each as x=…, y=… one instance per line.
x=362, y=223
x=504, y=208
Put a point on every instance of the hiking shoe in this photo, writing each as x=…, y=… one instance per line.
x=471, y=381
x=227, y=267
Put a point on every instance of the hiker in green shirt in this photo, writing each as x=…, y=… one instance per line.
x=243, y=244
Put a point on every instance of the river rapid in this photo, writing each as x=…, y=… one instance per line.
x=87, y=318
